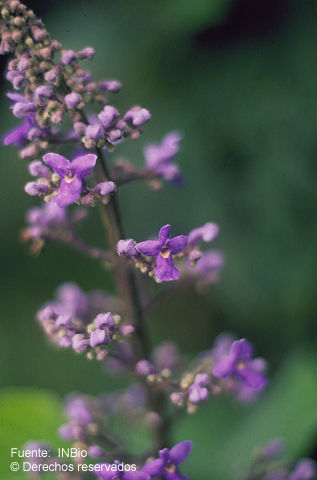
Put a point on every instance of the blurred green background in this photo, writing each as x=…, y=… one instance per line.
x=238, y=79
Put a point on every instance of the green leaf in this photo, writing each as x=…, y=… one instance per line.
x=26, y=414
x=225, y=435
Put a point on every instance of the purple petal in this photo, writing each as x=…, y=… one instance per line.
x=149, y=247
x=137, y=475
x=164, y=234
x=241, y=349
x=207, y=233
x=180, y=452
x=84, y=165
x=17, y=135
x=68, y=192
x=224, y=367
x=105, y=473
x=16, y=97
x=58, y=163
x=253, y=379
x=177, y=244
x=154, y=467
x=165, y=270
x=97, y=337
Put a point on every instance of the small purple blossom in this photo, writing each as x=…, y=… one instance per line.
x=207, y=233
x=72, y=175
x=240, y=364
x=198, y=391
x=169, y=460
x=36, y=188
x=163, y=249
x=127, y=247
x=105, y=188
x=304, y=470
x=72, y=100
x=159, y=157
x=113, y=86
x=137, y=116
x=68, y=56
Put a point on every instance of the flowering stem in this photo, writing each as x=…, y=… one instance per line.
x=128, y=292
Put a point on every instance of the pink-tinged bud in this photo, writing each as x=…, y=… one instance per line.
x=43, y=92
x=86, y=54
x=37, y=169
x=144, y=367
x=39, y=34
x=34, y=188
x=24, y=64
x=137, y=116
x=108, y=116
x=127, y=247
x=105, y=188
x=95, y=451
x=29, y=151
x=96, y=132
x=51, y=76
x=126, y=330
x=80, y=343
x=80, y=128
x=21, y=109
x=55, y=45
x=113, y=86
x=68, y=56
x=72, y=100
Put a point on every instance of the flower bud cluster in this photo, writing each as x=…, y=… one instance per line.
x=228, y=367
x=157, y=258
x=70, y=322
x=53, y=85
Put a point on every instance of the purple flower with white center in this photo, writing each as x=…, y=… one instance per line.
x=108, y=471
x=240, y=364
x=72, y=175
x=304, y=470
x=167, y=464
x=163, y=249
x=159, y=157
x=207, y=233
x=137, y=116
x=198, y=391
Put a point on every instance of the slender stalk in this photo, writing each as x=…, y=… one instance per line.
x=128, y=291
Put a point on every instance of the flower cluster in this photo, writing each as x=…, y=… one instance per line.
x=158, y=257
x=70, y=321
x=267, y=464
x=228, y=367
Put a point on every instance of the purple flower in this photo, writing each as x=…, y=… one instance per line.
x=37, y=169
x=35, y=188
x=127, y=247
x=18, y=135
x=239, y=363
x=144, y=367
x=304, y=470
x=118, y=471
x=159, y=157
x=72, y=175
x=78, y=409
x=163, y=249
x=72, y=100
x=208, y=266
x=112, y=86
x=207, y=233
x=87, y=53
x=108, y=116
x=137, y=116
x=167, y=463
x=68, y=56
x=105, y=188
x=198, y=391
